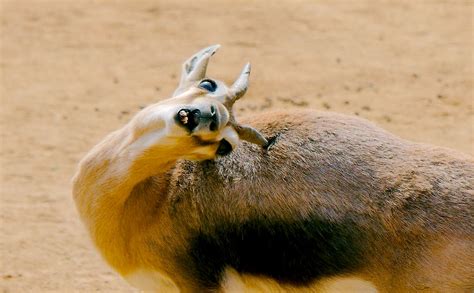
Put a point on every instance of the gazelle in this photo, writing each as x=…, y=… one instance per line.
x=172, y=203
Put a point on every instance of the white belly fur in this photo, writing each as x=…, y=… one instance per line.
x=236, y=283
x=151, y=281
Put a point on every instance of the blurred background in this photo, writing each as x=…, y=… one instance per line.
x=73, y=71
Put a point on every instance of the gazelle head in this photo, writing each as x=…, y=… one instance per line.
x=197, y=122
x=194, y=76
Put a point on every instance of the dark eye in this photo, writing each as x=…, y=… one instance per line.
x=208, y=85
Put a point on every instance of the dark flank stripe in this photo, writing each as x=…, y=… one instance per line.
x=295, y=253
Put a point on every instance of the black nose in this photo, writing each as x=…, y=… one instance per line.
x=189, y=118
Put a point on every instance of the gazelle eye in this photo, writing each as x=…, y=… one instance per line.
x=208, y=85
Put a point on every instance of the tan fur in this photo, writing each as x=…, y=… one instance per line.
x=140, y=201
x=134, y=229
x=107, y=176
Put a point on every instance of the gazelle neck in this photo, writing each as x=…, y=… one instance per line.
x=103, y=184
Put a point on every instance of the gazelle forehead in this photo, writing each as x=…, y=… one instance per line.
x=194, y=92
x=221, y=90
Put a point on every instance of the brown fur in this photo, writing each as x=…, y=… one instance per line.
x=417, y=199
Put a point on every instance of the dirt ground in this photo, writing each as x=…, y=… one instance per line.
x=72, y=71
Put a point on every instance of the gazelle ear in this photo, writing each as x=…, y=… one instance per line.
x=236, y=91
x=194, y=68
x=250, y=134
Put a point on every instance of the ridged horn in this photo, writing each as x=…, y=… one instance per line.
x=238, y=89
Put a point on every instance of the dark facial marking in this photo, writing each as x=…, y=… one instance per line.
x=296, y=252
x=224, y=148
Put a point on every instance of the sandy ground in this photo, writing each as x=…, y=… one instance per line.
x=72, y=71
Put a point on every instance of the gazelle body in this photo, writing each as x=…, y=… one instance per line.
x=334, y=197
